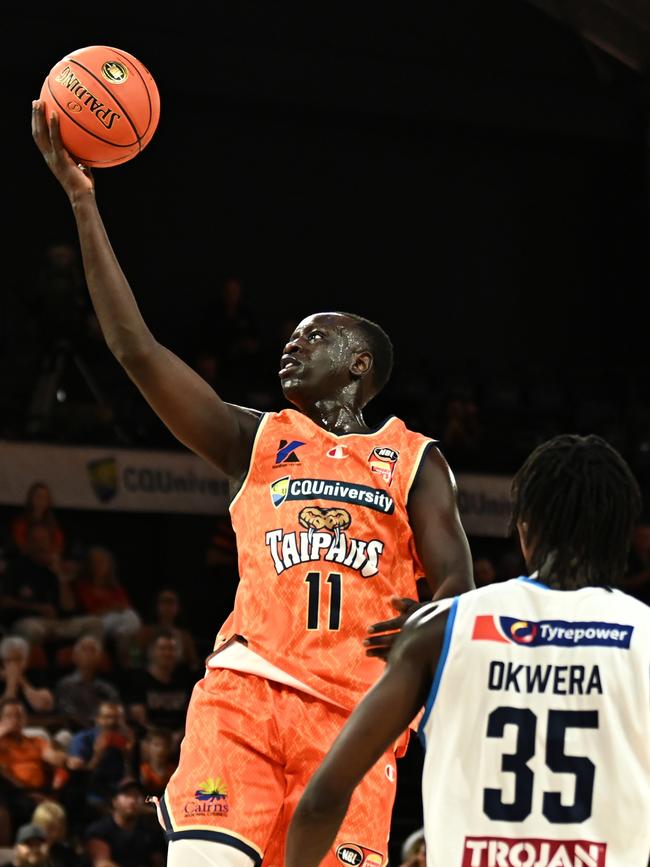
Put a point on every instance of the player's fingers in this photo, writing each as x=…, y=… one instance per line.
x=378, y=652
x=403, y=603
x=380, y=640
x=38, y=127
x=388, y=625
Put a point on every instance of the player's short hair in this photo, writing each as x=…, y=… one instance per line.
x=580, y=502
x=380, y=346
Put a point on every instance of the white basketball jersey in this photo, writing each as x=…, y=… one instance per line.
x=537, y=731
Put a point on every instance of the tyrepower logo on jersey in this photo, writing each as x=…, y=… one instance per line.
x=287, y=488
x=559, y=633
x=324, y=539
x=532, y=852
x=355, y=855
x=382, y=461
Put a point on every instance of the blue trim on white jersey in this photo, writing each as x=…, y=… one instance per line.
x=532, y=579
x=451, y=617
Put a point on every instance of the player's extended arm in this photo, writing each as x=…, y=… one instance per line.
x=439, y=535
x=221, y=433
x=383, y=714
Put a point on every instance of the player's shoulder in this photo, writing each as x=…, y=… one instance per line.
x=624, y=602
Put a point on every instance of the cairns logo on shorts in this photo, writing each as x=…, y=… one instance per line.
x=542, y=633
x=212, y=797
x=532, y=852
x=355, y=855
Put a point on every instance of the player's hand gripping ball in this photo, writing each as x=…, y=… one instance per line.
x=107, y=102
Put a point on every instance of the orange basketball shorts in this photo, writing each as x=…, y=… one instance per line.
x=250, y=748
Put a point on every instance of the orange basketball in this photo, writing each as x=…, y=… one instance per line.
x=107, y=102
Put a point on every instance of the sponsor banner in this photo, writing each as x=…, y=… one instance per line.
x=532, y=852
x=113, y=479
x=560, y=633
x=484, y=504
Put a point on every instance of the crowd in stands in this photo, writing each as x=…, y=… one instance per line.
x=93, y=696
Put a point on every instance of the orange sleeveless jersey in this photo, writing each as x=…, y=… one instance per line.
x=323, y=541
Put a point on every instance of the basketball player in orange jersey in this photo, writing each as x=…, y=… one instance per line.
x=332, y=520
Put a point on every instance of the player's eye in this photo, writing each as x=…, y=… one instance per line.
x=314, y=334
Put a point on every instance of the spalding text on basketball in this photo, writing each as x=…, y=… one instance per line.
x=104, y=114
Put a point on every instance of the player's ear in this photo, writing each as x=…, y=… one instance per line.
x=361, y=365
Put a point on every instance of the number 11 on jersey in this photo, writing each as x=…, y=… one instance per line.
x=313, y=581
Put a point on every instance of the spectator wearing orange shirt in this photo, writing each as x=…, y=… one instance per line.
x=26, y=765
x=38, y=509
x=157, y=763
x=101, y=593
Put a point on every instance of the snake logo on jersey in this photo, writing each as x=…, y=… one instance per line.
x=324, y=538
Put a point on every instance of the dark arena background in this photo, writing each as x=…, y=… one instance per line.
x=473, y=176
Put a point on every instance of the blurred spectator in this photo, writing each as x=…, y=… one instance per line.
x=167, y=613
x=636, y=580
x=14, y=657
x=58, y=299
x=128, y=837
x=26, y=764
x=38, y=601
x=99, y=757
x=38, y=509
x=51, y=817
x=31, y=848
x=484, y=572
x=158, y=762
x=78, y=695
x=461, y=432
x=159, y=695
x=101, y=594
x=414, y=850
x=233, y=324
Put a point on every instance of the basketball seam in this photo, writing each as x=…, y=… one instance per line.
x=146, y=89
x=83, y=128
x=117, y=102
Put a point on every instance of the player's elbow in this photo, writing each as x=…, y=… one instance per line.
x=321, y=802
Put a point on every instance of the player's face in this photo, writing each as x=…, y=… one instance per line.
x=317, y=357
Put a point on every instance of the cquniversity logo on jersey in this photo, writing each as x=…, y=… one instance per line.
x=557, y=633
x=287, y=488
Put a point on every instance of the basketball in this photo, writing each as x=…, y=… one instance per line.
x=107, y=102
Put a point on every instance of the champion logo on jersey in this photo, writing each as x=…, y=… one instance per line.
x=542, y=633
x=286, y=453
x=508, y=852
x=338, y=453
x=355, y=855
x=383, y=460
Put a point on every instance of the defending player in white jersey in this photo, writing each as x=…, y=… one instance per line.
x=536, y=693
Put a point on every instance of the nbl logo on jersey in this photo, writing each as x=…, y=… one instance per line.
x=557, y=633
